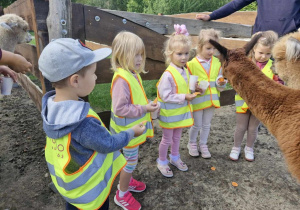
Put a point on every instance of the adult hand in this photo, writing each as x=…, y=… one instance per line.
x=202, y=17
x=20, y=64
x=6, y=71
x=139, y=129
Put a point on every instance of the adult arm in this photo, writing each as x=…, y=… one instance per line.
x=16, y=62
x=226, y=10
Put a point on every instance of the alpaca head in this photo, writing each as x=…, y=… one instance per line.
x=286, y=53
x=13, y=30
x=237, y=56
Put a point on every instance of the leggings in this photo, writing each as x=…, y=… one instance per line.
x=202, y=119
x=170, y=137
x=246, y=122
x=131, y=155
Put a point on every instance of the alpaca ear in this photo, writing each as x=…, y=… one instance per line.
x=223, y=50
x=7, y=27
x=292, y=49
x=249, y=46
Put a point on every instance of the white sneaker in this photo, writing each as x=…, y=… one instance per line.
x=249, y=153
x=235, y=153
x=193, y=149
x=204, y=151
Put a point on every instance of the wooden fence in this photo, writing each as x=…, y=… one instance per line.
x=97, y=27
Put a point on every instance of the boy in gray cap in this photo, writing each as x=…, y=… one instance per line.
x=82, y=156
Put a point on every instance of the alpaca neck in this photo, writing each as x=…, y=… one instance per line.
x=262, y=95
x=7, y=43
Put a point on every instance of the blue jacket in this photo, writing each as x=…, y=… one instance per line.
x=281, y=16
x=87, y=134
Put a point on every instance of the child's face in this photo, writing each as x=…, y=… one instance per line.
x=180, y=56
x=138, y=59
x=206, y=51
x=88, y=81
x=262, y=53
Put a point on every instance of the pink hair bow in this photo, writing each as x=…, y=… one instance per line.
x=181, y=29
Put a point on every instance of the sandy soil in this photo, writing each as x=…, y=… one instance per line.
x=263, y=184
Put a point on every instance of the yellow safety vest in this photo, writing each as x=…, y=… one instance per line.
x=211, y=96
x=176, y=115
x=240, y=104
x=138, y=96
x=86, y=187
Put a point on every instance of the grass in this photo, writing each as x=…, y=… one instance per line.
x=100, y=99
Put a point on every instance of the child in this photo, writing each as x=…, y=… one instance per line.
x=174, y=96
x=82, y=156
x=130, y=106
x=207, y=68
x=245, y=120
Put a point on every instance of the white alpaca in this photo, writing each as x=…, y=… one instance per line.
x=13, y=31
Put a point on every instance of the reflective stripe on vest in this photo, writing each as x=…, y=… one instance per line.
x=176, y=115
x=86, y=187
x=138, y=96
x=211, y=95
x=240, y=105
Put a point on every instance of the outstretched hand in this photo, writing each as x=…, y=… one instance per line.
x=20, y=64
x=190, y=97
x=139, y=129
x=202, y=17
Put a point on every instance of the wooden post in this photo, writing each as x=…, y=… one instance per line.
x=59, y=19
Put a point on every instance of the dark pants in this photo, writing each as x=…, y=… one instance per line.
x=105, y=206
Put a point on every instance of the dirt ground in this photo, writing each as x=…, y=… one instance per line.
x=263, y=184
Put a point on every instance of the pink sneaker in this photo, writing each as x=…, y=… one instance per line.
x=204, y=151
x=135, y=186
x=128, y=202
x=179, y=164
x=193, y=149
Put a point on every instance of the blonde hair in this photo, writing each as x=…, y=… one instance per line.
x=175, y=41
x=205, y=35
x=125, y=46
x=268, y=39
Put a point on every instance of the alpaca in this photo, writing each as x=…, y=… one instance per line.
x=13, y=31
x=286, y=53
x=275, y=105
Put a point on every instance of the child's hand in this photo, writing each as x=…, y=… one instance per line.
x=7, y=71
x=139, y=129
x=151, y=107
x=221, y=81
x=190, y=97
x=198, y=89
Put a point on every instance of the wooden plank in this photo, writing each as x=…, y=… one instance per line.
x=104, y=74
x=227, y=97
x=34, y=92
x=109, y=25
x=59, y=22
x=164, y=24
x=78, y=22
x=239, y=17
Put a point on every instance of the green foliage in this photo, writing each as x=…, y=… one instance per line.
x=5, y=3
x=100, y=99
x=250, y=7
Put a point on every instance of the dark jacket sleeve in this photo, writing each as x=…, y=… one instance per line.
x=90, y=134
x=229, y=8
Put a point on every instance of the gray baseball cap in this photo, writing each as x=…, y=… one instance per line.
x=65, y=56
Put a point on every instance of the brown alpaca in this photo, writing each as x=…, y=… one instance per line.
x=275, y=105
x=286, y=53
